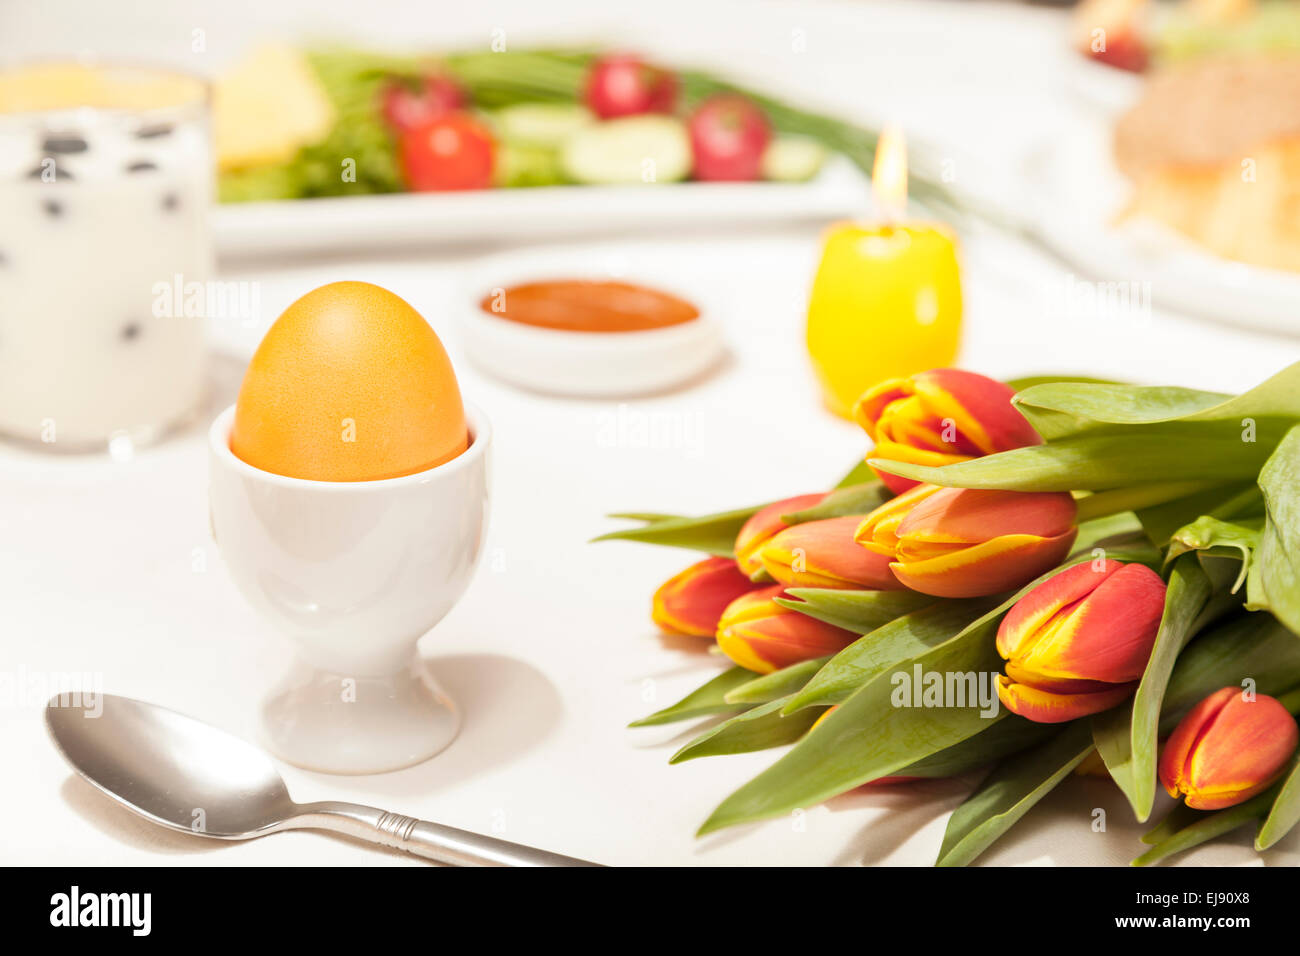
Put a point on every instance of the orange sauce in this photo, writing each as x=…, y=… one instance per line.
x=583, y=305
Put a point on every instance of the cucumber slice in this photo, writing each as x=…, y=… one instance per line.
x=792, y=159
x=540, y=124
x=519, y=165
x=636, y=149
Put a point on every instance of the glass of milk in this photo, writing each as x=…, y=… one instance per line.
x=105, y=186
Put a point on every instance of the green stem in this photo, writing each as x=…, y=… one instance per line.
x=1209, y=826
x=1105, y=503
x=1244, y=503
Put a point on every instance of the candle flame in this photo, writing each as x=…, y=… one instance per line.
x=889, y=174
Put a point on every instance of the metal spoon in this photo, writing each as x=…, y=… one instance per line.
x=189, y=776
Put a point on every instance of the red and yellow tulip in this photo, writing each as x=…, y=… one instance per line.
x=763, y=525
x=761, y=635
x=963, y=542
x=940, y=417
x=1228, y=749
x=692, y=601
x=1078, y=643
x=823, y=554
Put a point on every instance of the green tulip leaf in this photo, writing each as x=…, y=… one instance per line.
x=713, y=534
x=1122, y=528
x=760, y=728
x=1009, y=792
x=708, y=699
x=1277, y=583
x=1112, y=732
x=1005, y=737
x=1119, y=535
x=716, y=533
x=1135, y=498
x=859, y=474
x=1180, y=816
x=1043, y=420
x=857, y=611
x=1284, y=814
x=851, y=500
x=900, y=639
x=1029, y=381
x=776, y=685
x=1096, y=462
x=1062, y=409
x=648, y=517
x=878, y=731
x=1210, y=826
x=1054, y=406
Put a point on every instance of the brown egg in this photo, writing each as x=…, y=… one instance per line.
x=349, y=384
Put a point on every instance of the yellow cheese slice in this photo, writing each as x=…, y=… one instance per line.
x=267, y=107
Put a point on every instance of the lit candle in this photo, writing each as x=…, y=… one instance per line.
x=886, y=300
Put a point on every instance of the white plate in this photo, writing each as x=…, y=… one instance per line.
x=351, y=224
x=583, y=363
x=1105, y=88
x=1079, y=192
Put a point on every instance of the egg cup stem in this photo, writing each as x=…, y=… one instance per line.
x=336, y=723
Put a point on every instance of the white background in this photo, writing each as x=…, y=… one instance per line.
x=107, y=567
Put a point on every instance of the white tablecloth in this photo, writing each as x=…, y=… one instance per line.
x=107, y=566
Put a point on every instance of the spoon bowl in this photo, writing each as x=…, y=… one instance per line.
x=172, y=769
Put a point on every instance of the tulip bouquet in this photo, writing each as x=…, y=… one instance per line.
x=1031, y=578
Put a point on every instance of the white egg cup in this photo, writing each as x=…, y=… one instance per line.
x=355, y=572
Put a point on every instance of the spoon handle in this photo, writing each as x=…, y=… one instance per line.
x=433, y=841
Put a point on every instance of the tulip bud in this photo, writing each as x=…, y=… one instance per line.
x=1078, y=643
x=692, y=601
x=878, y=531
x=964, y=542
x=1228, y=749
x=761, y=635
x=939, y=417
x=823, y=554
x=762, y=525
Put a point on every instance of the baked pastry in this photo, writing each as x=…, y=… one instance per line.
x=1213, y=150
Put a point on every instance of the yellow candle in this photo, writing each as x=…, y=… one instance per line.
x=886, y=300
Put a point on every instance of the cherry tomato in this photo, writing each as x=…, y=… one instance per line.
x=453, y=151
x=1125, y=52
x=728, y=136
x=406, y=107
x=625, y=85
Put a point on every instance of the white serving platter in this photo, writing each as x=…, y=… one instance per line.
x=1076, y=194
x=353, y=224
